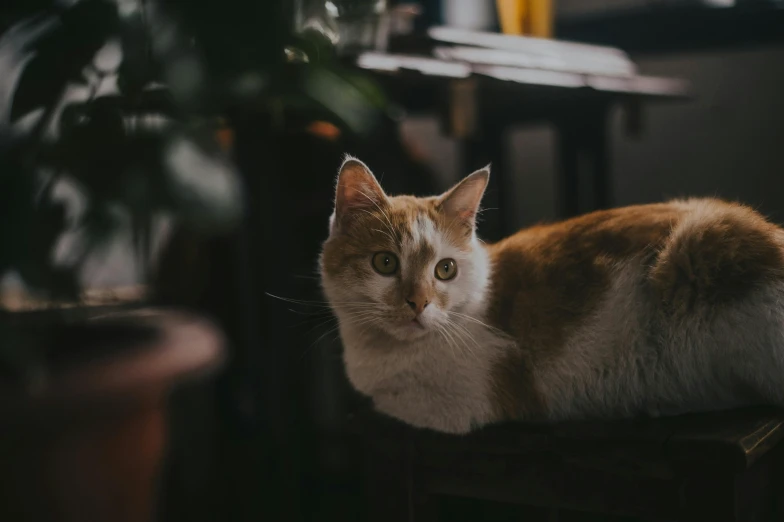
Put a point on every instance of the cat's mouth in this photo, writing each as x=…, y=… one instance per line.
x=411, y=328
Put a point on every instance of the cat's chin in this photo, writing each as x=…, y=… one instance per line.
x=409, y=330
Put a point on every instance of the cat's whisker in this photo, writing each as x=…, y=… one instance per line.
x=476, y=321
x=324, y=312
x=379, y=308
x=360, y=315
x=461, y=337
x=468, y=334
x=453, y=335
x=320, y=337
x=373, y=322
x=309, y=313
x=322, y=324
x=305, y=301
x=442, y=332
x=321, y=304
x=359, y=319
x=458, y=343
x=464, y=334
x=315, y=277
x=463, y=329
x=314, y=322
x=369, y=308
x=482, y=210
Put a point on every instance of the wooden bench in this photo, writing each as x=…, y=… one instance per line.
x=715, y=467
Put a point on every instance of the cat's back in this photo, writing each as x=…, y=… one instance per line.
x=615, y=234
x=603, y=306
x=561, y=270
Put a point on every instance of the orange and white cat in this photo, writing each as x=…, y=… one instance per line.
x=644, y=310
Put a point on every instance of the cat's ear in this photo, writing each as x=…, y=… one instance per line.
x=461, y=202
x=357, y=190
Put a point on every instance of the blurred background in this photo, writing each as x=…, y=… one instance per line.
x=162, y=161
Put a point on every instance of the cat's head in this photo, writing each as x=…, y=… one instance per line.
x=402, y=265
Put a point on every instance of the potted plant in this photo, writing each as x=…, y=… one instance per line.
x=96, y=158
x=109, y=114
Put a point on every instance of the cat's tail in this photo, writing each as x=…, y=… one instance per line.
x=717, y=252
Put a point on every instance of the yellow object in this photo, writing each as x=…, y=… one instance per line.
x=540, y=16
x=526, y=17
x=511, y=15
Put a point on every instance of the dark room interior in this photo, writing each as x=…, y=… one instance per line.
x=177, y=182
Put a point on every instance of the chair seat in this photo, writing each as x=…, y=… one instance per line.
x=712, y=466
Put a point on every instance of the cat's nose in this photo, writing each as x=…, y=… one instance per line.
x=417, y=305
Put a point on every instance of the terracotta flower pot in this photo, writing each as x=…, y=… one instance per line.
x=87, y=444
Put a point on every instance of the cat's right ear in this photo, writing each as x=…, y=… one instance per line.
x=357, y=191
x=461, y=202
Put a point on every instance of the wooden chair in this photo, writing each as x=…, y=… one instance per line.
x=716, y=467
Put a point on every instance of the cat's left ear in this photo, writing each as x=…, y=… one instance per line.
x=357, y=190
x=461, y=202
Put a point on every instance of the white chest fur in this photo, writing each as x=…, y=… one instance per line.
x=441, y=381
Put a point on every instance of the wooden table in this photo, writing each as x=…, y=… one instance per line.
x=478, y=104
x=709, y=467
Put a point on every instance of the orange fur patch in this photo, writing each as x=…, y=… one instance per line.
x=548, y=278
x=728, y=251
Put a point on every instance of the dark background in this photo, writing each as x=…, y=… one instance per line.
x=273, y=437
x=297, y=456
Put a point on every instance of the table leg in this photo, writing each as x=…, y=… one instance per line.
x=583, y=153
x=496, y=221
x=482, y=136
x=567, y=182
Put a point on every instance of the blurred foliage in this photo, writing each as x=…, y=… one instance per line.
x=147, y=144
x=153, y=80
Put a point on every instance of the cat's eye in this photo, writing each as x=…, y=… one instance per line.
x=385, y=263
x=446, y=269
